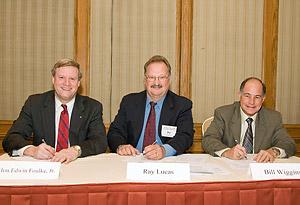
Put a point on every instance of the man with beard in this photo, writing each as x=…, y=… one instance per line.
x=156, y=121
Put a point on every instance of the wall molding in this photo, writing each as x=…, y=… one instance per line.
x=270, y=50
x=184, y=41
x=82, y=42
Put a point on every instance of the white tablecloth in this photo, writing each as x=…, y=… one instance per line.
x=111, y=168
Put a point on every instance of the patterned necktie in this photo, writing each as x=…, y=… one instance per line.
x=149, y=136
x=248, y=139
x=63, y=130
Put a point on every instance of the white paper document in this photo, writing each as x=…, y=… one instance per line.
x=198, y=165
x=138, y=159
x=208, y=169
x=28, y=158
x=189, y=158
x=237, y=164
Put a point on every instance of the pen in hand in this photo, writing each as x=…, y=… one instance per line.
x=154, y=142
x=151, y=144
x=236, y=142
x=44, y=141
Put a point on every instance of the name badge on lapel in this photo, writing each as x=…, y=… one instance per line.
x=168, y=131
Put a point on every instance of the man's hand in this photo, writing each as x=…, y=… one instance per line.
x=265, y=156
x=128, y=150
x=154, y=152
x=65, y=155
x=42, y=151
x=237, y=152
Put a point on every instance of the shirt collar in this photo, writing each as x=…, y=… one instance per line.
x=159, y=103
x=69, y=104
x=244, y=116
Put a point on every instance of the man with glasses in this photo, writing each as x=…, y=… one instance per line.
x=155, y=122
x=245, y=127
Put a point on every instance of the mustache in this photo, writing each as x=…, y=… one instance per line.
x=156, y=86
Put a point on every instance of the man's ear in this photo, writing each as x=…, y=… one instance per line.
x=263, y=99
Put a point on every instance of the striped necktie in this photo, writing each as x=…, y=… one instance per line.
x=248, y=139
x=63, y=130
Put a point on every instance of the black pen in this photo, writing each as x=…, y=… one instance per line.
x=236, y=142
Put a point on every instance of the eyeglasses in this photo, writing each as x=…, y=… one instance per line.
x=160, y=78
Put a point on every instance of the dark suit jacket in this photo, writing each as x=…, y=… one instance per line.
x=226, y=127
x=38, y=117
x=128, y=123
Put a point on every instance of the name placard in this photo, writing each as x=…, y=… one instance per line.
x=158, y=171
x=264, y=171
x=29, y=170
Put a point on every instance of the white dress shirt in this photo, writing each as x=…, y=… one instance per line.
x=58, y=110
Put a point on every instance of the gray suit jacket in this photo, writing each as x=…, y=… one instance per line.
x=38, y=118
x=226, y=128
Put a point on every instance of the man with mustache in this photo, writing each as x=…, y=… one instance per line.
x=64, y=124
x=245, y=127
x=156, y=121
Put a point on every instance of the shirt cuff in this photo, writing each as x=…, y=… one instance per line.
x=170, y=151
x=20, y=152
x=220, y=152
x=282, y=153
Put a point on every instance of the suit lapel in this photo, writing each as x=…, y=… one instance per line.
x=236, y=124
x=48, y=119
x=139, y=114
x=259, y=128
x=166, y=111
x=76, y=119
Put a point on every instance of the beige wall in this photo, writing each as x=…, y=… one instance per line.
x=100, y=50
x=227, y=47
x=34, y=35
x=288, y=76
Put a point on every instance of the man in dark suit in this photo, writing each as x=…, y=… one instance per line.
x=173, y=125
x=233, y=126
x=81, y=128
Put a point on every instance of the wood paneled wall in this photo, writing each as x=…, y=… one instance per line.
x=259, y=43
x=211, y=44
